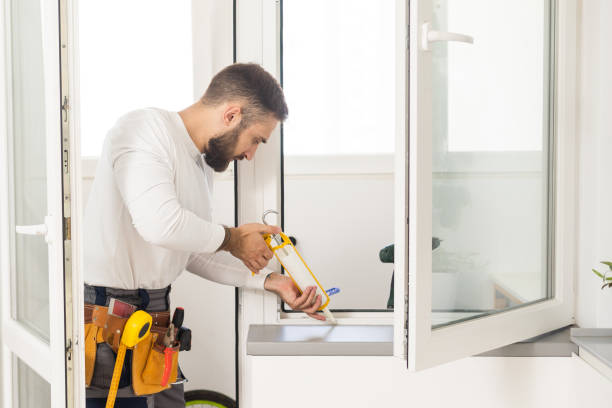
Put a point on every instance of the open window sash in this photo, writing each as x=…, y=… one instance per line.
x=421, y=335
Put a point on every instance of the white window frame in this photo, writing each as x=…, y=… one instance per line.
x=257, y=40
x=259, y=190
x=427, y=347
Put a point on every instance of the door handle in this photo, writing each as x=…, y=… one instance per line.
x=429, y=36
x=38, y=229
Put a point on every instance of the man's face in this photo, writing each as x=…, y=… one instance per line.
x=238, y=143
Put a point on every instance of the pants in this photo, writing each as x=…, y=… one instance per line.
x=152, y=301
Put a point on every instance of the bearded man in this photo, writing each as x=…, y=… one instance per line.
x=149, y=213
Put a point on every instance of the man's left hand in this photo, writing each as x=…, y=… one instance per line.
x=284, y=287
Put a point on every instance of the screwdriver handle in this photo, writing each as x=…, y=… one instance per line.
x=179, y=315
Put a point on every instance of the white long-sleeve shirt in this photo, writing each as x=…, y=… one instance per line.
x=149, y=212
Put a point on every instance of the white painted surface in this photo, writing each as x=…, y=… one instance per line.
x=590, y=388
x=385, y=382
x=595, y=170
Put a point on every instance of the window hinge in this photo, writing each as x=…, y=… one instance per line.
x=67, y=229
x=69, y=350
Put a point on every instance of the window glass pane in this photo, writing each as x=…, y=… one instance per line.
x=338, y=76
x=495, y=86
x=490, y=158
x=133, y=54
x=28, y=162
x=338, y=65
x=33, y=390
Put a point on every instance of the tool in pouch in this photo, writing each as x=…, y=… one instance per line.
x=295, y=266
x=151, y=362
x=169, y=342
x=137, y=327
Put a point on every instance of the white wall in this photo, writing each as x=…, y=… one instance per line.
x=365, y=382
x=593, y=308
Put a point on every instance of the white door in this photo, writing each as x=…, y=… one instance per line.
x=485, y=156
x=32, y=258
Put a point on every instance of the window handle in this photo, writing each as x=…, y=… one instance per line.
x=38, y=229
x=429, y=36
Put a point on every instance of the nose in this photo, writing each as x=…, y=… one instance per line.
x=249, y=154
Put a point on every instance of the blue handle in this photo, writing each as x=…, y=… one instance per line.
x=332, y=291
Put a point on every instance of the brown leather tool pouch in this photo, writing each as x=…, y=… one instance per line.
x=93, y=336
x=148, y=363
x=148, y=366
x=112, y=331
x=95, y=318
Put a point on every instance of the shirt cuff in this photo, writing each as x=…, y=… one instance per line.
x=216, y=239
x=257, y=281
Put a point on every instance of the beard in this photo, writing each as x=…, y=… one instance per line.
x=219, y=152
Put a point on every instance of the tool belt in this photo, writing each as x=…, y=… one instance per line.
x=149, y=357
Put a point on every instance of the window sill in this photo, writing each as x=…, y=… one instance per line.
x=595, y=347
x=319, y=340
x=370, y=340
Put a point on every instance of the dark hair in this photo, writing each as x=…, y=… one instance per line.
x=261, y=93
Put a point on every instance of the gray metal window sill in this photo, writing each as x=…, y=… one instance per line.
x=598, y=342
x=361, y=340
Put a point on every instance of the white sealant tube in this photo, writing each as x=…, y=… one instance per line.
x=302, y=276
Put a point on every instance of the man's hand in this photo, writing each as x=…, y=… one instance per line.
x=247, y=244
x=284, y=287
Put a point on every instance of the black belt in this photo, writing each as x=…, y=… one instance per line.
x=143, y=294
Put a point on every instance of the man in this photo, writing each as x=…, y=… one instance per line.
x=149, y=213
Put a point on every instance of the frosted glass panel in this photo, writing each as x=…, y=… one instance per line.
x=27, y=138
x=34, y=391
x=490, y=158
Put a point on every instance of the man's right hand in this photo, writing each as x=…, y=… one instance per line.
x=247, y=244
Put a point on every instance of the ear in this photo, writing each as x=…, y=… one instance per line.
x=232, y=114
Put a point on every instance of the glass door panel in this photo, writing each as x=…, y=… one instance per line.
x=28, y=167
x=34, y=391
x=31, y=208
x=490, y=158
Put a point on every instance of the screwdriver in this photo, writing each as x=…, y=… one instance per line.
x=169, y=339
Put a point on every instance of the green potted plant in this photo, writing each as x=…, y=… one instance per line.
x=607, y=280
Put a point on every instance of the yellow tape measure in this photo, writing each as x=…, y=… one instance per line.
x=137, y=327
